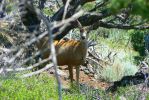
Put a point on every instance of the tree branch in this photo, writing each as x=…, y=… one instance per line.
x=118, y=26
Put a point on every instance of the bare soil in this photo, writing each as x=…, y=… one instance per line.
x=84, y=79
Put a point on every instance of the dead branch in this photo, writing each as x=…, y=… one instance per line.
x=37, y=72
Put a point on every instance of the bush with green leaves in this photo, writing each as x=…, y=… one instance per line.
x=137, y=40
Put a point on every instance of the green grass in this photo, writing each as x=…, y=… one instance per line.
x=131, y=93
x=33, y=88
x=45, y=88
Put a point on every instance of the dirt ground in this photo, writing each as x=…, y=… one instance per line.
x=84, y=78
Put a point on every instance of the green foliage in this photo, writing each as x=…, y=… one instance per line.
x=40, y=87
x=137, y=40
x=44, y=87
x=131, y=93
x=30, y=88
x=89, y=6
x=139, y=7
x=118, y=39
x=118, y=4
x=114, y=38
x=10, y=6
x=48, y=11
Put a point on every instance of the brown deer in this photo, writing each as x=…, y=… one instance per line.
x=69, y=52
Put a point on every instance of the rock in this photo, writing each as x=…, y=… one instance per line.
x=61, y=73
x=122, y=98
x=86, y=71
x=51, y=71
x=95, y=76
x=82, y=68
x=93, y=79
x=63, y=67
x=60, y=68
x=67, y=90
x=91, y=70
x=66, y=78
x=91, y=75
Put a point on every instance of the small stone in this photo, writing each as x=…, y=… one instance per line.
x=93, y=79
x=66, y=78
x=122, y=98
x=91, y=75
x=95, y=76
x=82, y=68
x=51, y=71
x=61, y=73
x=66, y=68
x=60, y=68
x=63, y=68
x=86, y=71
x=91, y=70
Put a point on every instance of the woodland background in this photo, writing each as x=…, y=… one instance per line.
x=118, y=50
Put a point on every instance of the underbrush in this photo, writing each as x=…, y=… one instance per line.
x=43, y=87
x=138, y=92
x=40, y=87
x=115, y=47
x=118, y=70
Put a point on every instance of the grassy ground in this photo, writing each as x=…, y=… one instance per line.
x=33, y=88
x=44, y=87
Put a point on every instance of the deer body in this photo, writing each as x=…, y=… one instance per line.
x=69, y=52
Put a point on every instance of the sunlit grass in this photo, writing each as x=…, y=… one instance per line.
x=40, y=87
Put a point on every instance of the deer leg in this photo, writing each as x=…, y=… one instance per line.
x=77, y=74
x=70, y=68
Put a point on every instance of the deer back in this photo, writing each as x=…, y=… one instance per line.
x=69, y=52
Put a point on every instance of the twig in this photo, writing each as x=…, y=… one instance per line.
x=98, y=59
x=4, y=50
x=53, y=52
x=37, y=72
x=28, y=68
x=29, y=58
x=68, y=20
x=65, y=9
x=57, y=3
x=89, y=58
x=17, y=55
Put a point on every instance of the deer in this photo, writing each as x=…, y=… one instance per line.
x=68, y=52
